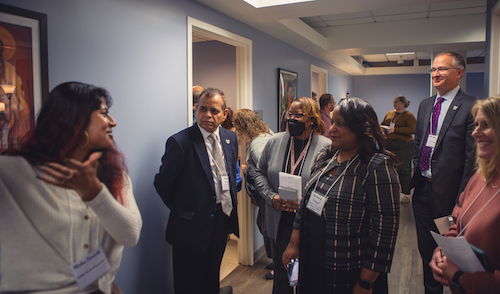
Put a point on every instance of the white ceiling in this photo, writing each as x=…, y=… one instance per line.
x=336, y=30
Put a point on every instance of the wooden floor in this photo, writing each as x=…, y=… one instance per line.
x=405, y=276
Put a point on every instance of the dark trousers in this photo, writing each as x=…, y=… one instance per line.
x=261, y=216
x=198, y=272
x=404, y=152
x=281, y=283
x=424, y=210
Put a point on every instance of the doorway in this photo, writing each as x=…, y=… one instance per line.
x=494, y=86
x=319, y=81
x=243, y=99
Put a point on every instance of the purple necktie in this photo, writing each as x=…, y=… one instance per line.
x=426, y=151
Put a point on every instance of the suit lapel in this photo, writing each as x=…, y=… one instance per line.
x=283, y=145
x=226, y=147
x=201, y=150
x=427, y=116
x=228, y=155
x=450, y=115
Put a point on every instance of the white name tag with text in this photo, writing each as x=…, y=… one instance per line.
x=225, y=183
x=316, y=203
x=90, y=268
x=431, y=141
x=391, y=125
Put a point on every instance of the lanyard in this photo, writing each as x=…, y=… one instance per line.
x=340, y=176
x=395, y=117
x=486, y=204
x=291, y=155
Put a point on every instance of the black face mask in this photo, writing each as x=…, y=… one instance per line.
x=295, y=127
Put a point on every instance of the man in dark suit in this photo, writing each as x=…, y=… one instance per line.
x=197, y=181
x=443, y=157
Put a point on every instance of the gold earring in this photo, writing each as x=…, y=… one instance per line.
x=87, y=136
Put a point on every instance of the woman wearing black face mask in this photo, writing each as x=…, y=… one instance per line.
x=292, y=152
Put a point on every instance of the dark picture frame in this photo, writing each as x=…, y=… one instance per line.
x=287, y=91
x=23, y=72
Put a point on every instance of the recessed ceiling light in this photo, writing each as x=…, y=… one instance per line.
x=268, y=3
x=400, y=54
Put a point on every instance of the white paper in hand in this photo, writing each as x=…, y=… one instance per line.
x=459, y=251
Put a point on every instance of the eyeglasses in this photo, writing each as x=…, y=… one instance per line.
x=440, y=70
x=295, y=115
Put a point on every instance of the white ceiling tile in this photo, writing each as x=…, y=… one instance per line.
x=397, y=17
x=424, y=55
x=315, y=25
x=349, y=21
x=404, y=57
x=400, y=10
x=375, y=57
x=458, y=4
x=359, y=14
x=464, y=11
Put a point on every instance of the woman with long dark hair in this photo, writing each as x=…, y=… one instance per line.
x=346, y=226
x=66, y=199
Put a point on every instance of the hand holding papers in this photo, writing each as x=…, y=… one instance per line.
x=459, y=251
x=290, y=187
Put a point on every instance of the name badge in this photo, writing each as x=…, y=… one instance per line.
x=431, y=141
x=391, y=125
x=316, y=203
x=90, y=268
x=225, y=183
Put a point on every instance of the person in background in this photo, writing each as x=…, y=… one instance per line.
x=346, y=244
x=326, y=103
x=197, y=182
x=477, y=216
x=443, y=155
x=399, y=127
x=229, y=125
x=256, y=134
x=66, y=197
x=196, y=96
x=292, y=152
x=314, y=96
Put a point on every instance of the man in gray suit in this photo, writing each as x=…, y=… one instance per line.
x=443, y=157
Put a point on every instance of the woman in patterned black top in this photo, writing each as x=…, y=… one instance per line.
x=346, y=226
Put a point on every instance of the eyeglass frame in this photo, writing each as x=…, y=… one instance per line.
x=441, y=69
x=300, y=115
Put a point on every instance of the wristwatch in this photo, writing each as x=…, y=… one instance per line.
x=455, y=282
x=365, y=284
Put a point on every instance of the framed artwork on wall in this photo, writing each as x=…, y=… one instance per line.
x=23, y=72
x=287, y=91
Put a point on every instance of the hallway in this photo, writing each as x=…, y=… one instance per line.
x=405, y=276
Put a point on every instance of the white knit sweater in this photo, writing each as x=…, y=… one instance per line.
x=44, y=229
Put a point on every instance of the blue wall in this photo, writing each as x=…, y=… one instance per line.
x=475, y=84
x=380, y=91
x=137, y=50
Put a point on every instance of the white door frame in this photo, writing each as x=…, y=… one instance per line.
x=322, y=79
x=244, y=99
x=494, y=80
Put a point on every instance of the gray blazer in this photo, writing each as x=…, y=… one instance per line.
x=269, y=167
